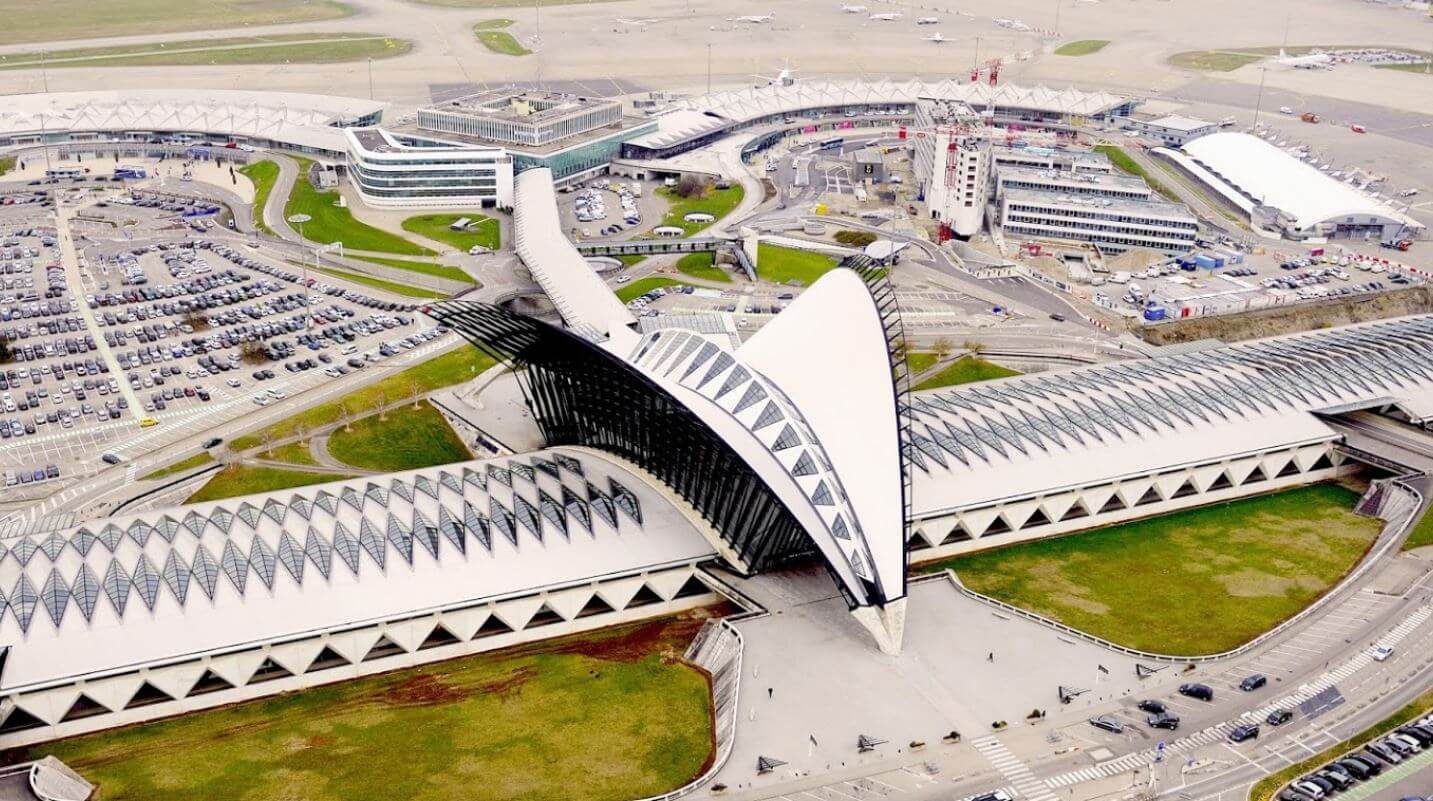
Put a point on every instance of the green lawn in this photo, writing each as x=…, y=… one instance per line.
x=920, y=362
x=502, y=43
x=716, y=202
x=1265, y=788
x=604, y=716
x=54, y=20
x=488, y=231
x=236, y=480
x=390, y=286
x=628, y=261
x=297, y=453
x=965, y=371
x=781, y=264
x=642, y=286
x=410, y=438
x=490, y=24
x=262, y=174
x=1193, y=582
x=424, y=268
x=333, y=223
x=855, y=239
x=197, y=460
x=1214, y=60
x=453, y=367
x=702, y=265
x=7, y=164
x=1422, y=533
x=297, y=48
x=1122, y=161
x=1082, y=47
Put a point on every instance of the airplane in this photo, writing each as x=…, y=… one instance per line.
x=927, y=20
x=854, y=9
x=1312, y=61
x=786, y=77
x=936, y=38
x=1012, y=24
x=891, y=17
x=755, y=19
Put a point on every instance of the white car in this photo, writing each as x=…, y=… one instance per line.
x=1381, y=653
x=233, y=382
x=622, y=279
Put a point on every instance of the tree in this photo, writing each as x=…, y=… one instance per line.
x=382, y=406
x=974, y=347
x=415, y=392
x=942, y=348
x=266, y=442
x=346, y=415
x=691, y=186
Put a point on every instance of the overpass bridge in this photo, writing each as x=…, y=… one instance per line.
x=652, y=247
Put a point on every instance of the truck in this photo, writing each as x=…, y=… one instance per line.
x=1309, y=116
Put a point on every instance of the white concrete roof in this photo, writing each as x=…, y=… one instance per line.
x=277, y=564
x=586, y=304
x=810, y=406
x=290, y=117
x=1175, y=122
x=998, y=440
x=1275, y=178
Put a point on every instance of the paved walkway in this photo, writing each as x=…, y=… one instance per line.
x=70, y=261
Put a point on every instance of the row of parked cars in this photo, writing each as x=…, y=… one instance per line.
x=1363, y=764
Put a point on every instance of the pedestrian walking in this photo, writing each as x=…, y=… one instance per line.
x=990, y=657
x=770, y=691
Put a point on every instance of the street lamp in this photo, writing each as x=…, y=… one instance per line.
x=299, y=220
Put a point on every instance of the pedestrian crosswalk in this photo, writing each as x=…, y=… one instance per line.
x=1219, y=732
x=1010, y=766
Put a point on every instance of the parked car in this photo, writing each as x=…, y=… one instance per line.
x=1279, y=717
x=1152, y=706
x=1202, y=692
x=1248, y=731
x=1163, y=720
x=1254, y=682
x=1107, y=722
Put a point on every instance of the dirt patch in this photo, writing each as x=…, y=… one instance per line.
x=1258, y=584
x=320, y=741
x=423, y=689
x=1292, y=318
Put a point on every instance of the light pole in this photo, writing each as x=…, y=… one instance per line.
x=709, y=68
x=1259, y=102
x=299, y=220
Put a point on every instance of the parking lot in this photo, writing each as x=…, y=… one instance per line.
x=159, y=329
x=611, y=208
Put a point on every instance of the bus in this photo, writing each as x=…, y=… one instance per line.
x=126, y=173
x=834, y=143
x=65, y=173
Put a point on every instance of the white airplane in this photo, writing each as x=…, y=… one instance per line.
x=854, y=9
x=755, y=19
x=1012, y=24
x=1312, y=61
x=889, y=17
x=927, y=20
x=936, y=38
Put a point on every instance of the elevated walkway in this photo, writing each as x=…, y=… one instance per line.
x=652, y=247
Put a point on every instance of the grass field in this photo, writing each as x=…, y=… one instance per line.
x=716, y=202
x=7, y=164
x=262, y=174
x=333, y=223
x=780, y=264
x=630, y=260
x=55, y=20
x=604, y=716
x=236, y=480
x=297, y=453
x=642, y=286
x=702, y=265
x=1082, y=47
x=453, y=367
x=1420, y=69
x=920, y=362
x=1124, y=163
x=1265, y=788
x=296, y=48
x=1214, y=60
x=1199, y=581
x=492, y=24
x=488, y=233
x=502, y=43
x=197, y=460
x=379, y=283
x=965, y=371
x=410, y=438
x=1422, y=533
x=424, y=268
